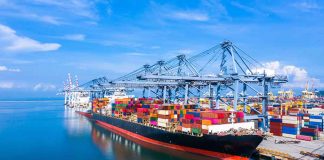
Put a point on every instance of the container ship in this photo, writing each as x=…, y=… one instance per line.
x=183, y=127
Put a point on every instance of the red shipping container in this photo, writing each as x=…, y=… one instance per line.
x=275, y=131
x=198, y=121
x=240, y=114
x=189, y=116
x=221, y=115
x=164, y=116
x=224, y=121
x=306, y=138
x=186, y=125
x=205, y=131
x=209, y=114
x=276, y=128
x=275, y=124
x=143, y=110
x=185, y=120
x=277, y=134
x=312, y=130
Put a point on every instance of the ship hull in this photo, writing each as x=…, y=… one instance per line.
x=223, y=147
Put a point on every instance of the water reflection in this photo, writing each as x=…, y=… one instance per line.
x=112, y=144
x=75, y=123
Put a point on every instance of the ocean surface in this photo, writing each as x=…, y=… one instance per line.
x=45, y=130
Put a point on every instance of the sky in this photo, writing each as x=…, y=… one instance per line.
x=41, y=41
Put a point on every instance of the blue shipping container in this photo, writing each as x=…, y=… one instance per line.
x=145, y=106
x=312, y=126
x=315, y=117
x=196, y=114
x=289, y=130
x=307, y=134
x=300, y=114
x=318, y=124
x=275, y=120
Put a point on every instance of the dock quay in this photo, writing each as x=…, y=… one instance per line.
x=269, y=148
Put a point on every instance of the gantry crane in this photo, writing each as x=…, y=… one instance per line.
x=220, y=69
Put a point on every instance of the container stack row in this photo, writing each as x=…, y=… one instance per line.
x=305, y=118
x=185, y=118
x=317, y=120
x=302, y=126
x=308, y=134
x=290, y=126
x=276, y=126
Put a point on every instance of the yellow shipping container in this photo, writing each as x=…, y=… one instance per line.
x=153, y=115
x=206, y=122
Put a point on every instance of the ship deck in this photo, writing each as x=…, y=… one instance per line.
x=269, y=148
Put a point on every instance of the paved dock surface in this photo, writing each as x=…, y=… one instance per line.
x=316, y=147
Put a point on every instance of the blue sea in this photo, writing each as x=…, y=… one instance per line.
x=45, y=130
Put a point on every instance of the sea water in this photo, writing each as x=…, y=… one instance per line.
x=45, y=130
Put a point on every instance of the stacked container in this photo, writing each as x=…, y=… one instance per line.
x=142, y=115
x=317, y=121
x=98, y=104
x=192, y=120
x=293, y=111
x=306, y=119
x=239, y=117
x=186, y=124
x=308, y=134
x=190, y=106
x=290, y=126
x=205, y=124
x=317, y=110
x=276, y=126
x=196, y=126
x=153, y=116
x=164, y=118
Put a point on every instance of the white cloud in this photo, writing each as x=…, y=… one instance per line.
x=155, y=47
x=184, y=51
x=248, y=8
x=74, y=37
x=10, y=41
x=298, y=77
x=189, y=15
x=201, y=13
x=55, y=12
x=84, y=8
x=306, y=6
x=44, y=87
x=4, y=68
x=6, y=85
x=121, y=43
x=47, y=19
x=137, y=54
x=12, y=9
x=14, y=60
